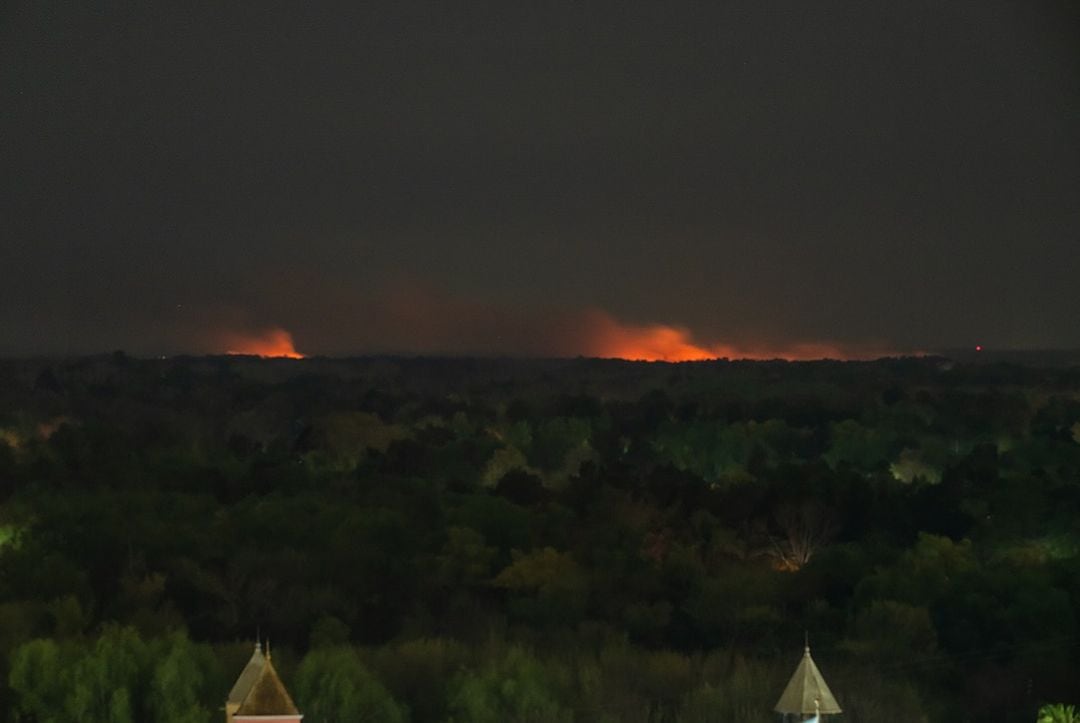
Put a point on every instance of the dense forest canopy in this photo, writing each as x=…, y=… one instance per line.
x=562, y=540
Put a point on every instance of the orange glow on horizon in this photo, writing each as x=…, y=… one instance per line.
x=416, y=320
x=661, y=342
x=275, y=342
x=654, y=342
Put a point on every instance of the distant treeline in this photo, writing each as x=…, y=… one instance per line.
x=550, y=540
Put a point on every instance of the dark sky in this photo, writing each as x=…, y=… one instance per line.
x=512, y=177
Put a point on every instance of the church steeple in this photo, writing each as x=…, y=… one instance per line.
x=267, y=700
x=243, y=684
x=807, y=693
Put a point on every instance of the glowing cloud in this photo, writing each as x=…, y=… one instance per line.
x=408, y=316
x=653, y=342
x=274, y=342
x=610, y=338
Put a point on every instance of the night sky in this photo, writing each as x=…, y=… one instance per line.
x=545, y=179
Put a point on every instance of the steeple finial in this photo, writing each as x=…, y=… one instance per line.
x=806, y=639
x=268, y=648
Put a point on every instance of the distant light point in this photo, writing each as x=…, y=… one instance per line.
x=978, y=347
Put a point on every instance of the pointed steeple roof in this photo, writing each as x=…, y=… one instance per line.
x=247, y=676
x=807, y=693
x=267, y=696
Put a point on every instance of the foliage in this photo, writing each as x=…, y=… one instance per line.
x=334, y=686
x=1058, y=713
x=119, y=677
x=537, y=540
x=517, y=687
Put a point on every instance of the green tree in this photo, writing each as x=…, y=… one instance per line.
x=893, y=631
x=343, y=439
x=329, y=632
x=557, y=585
x=117, y=678
x=516, y=689
x=1058, y=713
x=420, y=671
x=554, y=439
x=464, y=560
x=924, y=574
x=736, y=690
x=334, y=686
x=502, y=462
x=178, y=686
x=866, y=448
x=39, y=680
x=911, y=466
x=106, y=683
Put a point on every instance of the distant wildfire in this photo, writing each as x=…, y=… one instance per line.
x=413, y=318
x=275, y=342
x=425, y=320
x=610, y=338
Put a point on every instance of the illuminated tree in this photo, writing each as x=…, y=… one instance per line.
x=344, y=438
x=502, y=463
x=804, y=528
x=910, y=466
x=552, y=585
x=1058, y=713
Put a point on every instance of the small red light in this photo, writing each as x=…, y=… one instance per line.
x=978, y=347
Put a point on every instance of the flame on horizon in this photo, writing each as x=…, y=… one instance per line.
x=275, y=343
x=414, y=318
x=610, y=338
